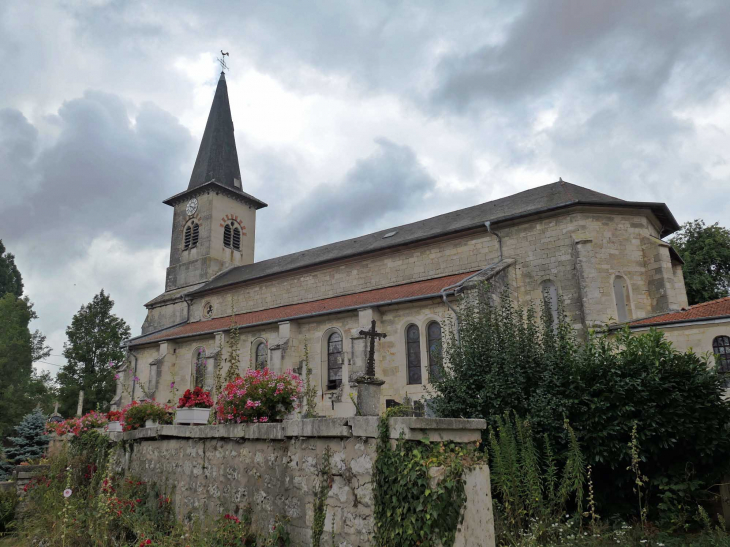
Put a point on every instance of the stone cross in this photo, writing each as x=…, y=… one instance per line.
x=81, y=403
x=373, y=335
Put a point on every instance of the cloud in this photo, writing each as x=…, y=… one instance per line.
x=349, y=118
x=105, y=171
x=376, y=192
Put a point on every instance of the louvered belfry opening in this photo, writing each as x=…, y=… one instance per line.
x=227, y=236
x=196, y=234
x=237, y=238
x=188, y=236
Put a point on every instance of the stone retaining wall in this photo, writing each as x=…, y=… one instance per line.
x=211, y=470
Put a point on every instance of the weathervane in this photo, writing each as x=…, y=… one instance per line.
x=222, y=61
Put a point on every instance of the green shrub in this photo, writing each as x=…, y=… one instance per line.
x=136, y=414
x=511, y=360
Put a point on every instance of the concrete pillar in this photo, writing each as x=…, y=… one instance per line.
x=477, y=528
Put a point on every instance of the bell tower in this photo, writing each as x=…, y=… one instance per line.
x=214, y=220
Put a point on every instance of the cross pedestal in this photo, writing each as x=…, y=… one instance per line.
x=368, y=395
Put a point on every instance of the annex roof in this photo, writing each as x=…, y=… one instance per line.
x=418, y=290
x=550, y=197
x=714, y=309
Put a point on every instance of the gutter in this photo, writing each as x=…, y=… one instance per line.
x=134, y=382
x=458, y=285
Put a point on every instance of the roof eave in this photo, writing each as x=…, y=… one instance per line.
x=215, y=185
x=674, y=322
x=344, y=309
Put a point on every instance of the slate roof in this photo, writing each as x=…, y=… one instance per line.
x=419, y=290
x=545, y=198
x=714, y=309
x=217, y=160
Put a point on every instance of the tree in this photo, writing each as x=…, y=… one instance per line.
x=10, y=278
x=509, y=361
x=6, y=468
x=31, y=442
x=95, y=338
x=21, y=388
x=706, y=254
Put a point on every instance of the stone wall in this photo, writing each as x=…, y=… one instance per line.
x=212, y=470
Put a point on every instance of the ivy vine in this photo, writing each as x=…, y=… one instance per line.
x=320, y=502
x=411, y=507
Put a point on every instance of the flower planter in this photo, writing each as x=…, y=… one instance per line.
x=192, y=416
x=114, y=427
x=151, y=423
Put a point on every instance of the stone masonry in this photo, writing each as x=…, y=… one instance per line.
x=275, y=468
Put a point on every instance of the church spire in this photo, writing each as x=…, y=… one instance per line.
x=217, y=157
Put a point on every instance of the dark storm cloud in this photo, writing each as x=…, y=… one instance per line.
x=371, y=196
x=104, y=172
x=605, y=47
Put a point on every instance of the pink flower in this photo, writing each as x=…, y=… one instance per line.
x=136, y=379
x=116, y=376
x=67, y=493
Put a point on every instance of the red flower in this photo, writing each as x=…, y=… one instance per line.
x=195, y=399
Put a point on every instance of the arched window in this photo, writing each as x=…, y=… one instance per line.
x=227, y=236
x=721, y=349
x=262, y=356
x=413, y=354
x=188, y=237
x=196, y=233
x=334, y=360
x=434, y=350
x=201, y=364
x=621, y=295
x=550, y=299
x=236, y=238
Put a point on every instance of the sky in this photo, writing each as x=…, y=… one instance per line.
x=350, y=117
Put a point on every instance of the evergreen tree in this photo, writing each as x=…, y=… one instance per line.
x=6, y=468
x=10, y=278
x=31, y=442
x=21, y=389
x=95, y=338
x=706, y=254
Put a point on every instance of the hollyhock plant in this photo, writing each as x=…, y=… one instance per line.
x=258, y=396
x=195, y=399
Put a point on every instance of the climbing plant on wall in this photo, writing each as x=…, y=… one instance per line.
x=234, y=350
x=412, y=505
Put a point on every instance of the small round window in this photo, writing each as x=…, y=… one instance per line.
x=207, y=310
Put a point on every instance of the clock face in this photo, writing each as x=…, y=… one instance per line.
x=192, y=207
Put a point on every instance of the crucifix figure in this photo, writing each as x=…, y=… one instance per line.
x=373, y=335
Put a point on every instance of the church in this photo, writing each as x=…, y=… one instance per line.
x=605, y=257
